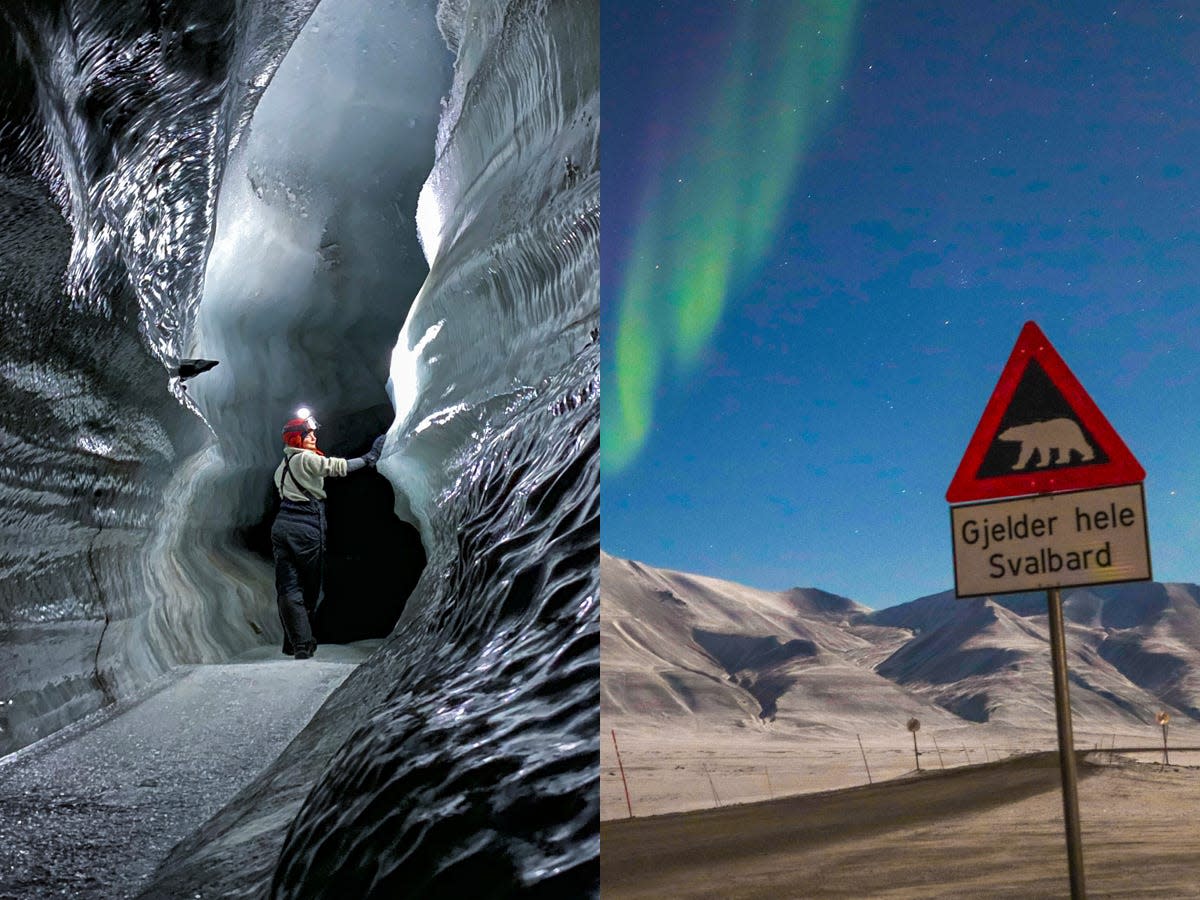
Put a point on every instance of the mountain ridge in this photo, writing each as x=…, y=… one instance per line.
x=726, y=656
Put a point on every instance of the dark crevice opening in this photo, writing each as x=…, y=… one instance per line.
x=373, y=560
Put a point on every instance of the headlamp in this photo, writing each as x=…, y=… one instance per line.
x=306, y=414
x=308, y=423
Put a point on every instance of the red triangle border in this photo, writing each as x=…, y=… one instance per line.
x=1120, y=469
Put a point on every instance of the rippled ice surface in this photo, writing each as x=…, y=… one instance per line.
x=479, y=764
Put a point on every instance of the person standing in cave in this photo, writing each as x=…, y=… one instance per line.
x=298, y=535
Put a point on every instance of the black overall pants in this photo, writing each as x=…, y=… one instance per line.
x=298, y=539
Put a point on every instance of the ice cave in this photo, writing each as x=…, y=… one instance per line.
x=389, y=212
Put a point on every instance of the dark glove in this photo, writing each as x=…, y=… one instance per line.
x=372, y=456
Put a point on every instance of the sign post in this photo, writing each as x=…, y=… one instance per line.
x=1066, y=745
x=1063, y=506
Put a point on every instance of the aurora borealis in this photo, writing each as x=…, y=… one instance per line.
x=825, y=226
x=720, y=168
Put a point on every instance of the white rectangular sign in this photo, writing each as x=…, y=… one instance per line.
x=1051, y=540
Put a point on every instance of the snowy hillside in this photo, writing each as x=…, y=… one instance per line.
x=686, y=651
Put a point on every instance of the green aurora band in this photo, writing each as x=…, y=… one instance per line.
x=713, y=213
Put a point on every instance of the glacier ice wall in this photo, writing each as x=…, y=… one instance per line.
x=479, y=762
x=315, y=259
x=467, y=747
x=313, y=266
x=465, y=752
x=116, y=122
x=508, y=220
x=236, y=181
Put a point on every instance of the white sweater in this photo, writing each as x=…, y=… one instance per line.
x=309, y=469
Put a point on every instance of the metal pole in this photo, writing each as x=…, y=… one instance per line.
x=865, y=763
x=941, y=762
x=716, y=799
x=628, y=805
x=1166, y=755
x=916, y=755
x=1066, y=744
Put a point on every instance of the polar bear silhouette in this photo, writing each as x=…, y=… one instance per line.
x=1061, y=436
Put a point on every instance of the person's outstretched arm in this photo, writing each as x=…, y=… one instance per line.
x=367, y=459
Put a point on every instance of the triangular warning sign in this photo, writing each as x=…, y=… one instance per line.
x=1040, y=433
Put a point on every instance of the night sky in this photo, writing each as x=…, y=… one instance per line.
x=824, y=227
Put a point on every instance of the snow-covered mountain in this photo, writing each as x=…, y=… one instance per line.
x=680, y=650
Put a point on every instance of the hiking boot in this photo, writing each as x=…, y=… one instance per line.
x=302, y=654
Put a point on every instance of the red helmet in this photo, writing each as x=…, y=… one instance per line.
x=300, y=426
x=294, y=430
